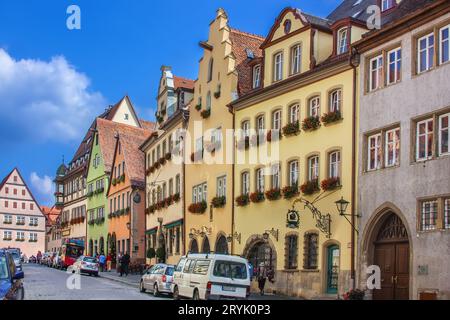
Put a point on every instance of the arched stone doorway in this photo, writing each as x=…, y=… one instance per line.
x=206, y=247
x=389, y=248
x=222, y=245
x=193, y=248
x=258, y=250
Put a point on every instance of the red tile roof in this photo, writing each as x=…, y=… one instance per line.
x=51, y=214
x=185, y=83
x=241, y=42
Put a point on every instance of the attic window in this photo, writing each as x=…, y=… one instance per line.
x=387, y=4
x=342, y=41
x=126, y=116
x=287, y=26
x=250, y=54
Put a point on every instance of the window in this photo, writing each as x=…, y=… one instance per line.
x=199, y=193
x=444, y=134
x=276, y=120
x=208, y=100
x=428, y=215
x=6, y=190
x=425, y=53
x=245, y=129
x=23, y=192
x=310, y=251
x=216, y=138
x=387, y=4
x=7, y=219
x=424, y=143
x=33, y=237
x=392, y=152
x=294, y=113
x=245, y=183
x=447, y=214
x=374, y=152
x=7, y=235
x=276, y=176
x=199, y=145
x=126, y=116
x=293, y=173
x=23, y=205
x=210, y=69
x=260, y=182
x=313, y=168
x=164, y=190
x=314, y=107
x=6, y=204
x=256, y=76
x=394, y=65
x=201, y=267
x=177, y=184
x=260, y=125
x=335, y=100
x=221, y=186
x=342, y=41
x=230, y=269
x=20, y=235
x=278, y=67
x=376, y=73
x=296, y=59
x=170, y=187
x=291, y=252
x=15, y=191
x=444, y=48
x=20, y=220
x=334, y=164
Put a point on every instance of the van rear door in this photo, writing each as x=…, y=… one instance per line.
x=230, y=279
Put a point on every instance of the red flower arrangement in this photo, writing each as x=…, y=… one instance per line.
x=273, y=194
x=331, y=117
x=168, y=156
x=242, y=200
x=199, y=207
x=218, y=202
x=310, y=187
x=176, y=197
x=290, y=191
x=291, y=129
x=256, y=197
x=311, y=123
x=330, y=183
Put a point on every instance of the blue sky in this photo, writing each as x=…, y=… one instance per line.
x=54, y=81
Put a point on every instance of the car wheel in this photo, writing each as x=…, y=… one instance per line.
x=176, y=294
x=155, y=290
x=141, y=286
x=196, y=295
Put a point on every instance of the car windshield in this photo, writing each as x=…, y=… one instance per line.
x=230, y=269
x=90, y=259
x=169, y=271
x=74, y=252
x=15, y=255
x=3, y=268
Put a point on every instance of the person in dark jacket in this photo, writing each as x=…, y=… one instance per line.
x=125, y=264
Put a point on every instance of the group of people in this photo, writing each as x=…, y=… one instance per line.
x=105, y=262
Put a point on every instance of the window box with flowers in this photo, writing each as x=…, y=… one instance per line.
x=168, y=156
x=122, y=178
x=20, y=240
x=291, y=129
x=273, y=194
x=257, y=197
x=127, y=210
x=273, y=135
x=330, y=117
x=100, y=220
x=355, y=294
x=90, y=222
x=162, y=161
x=114, y=181
x=290, y=192
x=160, y=119
x=99, y=190
x=91, y=193
x=243, y=143
x=7, y=239
x=310, y=187
x=217, y=93
x=168, y=201
x=20, y=223
x=205, y=114
x=198, y=208
x=33, y=240
x=110, y=216
x=7, y=222
x=198, y=107
x=330, y=184
x=218, y=202
x=242, y=200
x=311, y=123
x=176, y=197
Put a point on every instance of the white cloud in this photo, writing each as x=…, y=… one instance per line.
x=43, y=186
x=45, y=101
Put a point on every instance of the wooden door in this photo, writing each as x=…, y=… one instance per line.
x=385, y=259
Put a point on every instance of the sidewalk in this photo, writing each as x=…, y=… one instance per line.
x=131, y=280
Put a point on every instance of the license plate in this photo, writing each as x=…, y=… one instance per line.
x=228, y=288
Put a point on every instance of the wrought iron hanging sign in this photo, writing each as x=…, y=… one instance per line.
x=323, y=221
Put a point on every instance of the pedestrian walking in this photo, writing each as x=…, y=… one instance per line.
x=262, y=276
x=108, y=262
x=101, y=262
x=119, y=263
x=125, y=264
x=250, y=270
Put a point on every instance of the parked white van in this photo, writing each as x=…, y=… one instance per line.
x=211, y=276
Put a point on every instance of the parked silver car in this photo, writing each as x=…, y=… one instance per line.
x=158, y=278
x=85, y=264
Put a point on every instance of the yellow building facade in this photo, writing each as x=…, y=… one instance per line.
x=208, y=150
x=286, y=187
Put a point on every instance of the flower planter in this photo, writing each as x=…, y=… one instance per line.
x=273, y=194
x=290, y=192
x=176, y=197
x=114, y=181
x=217, y=94
x=310, y=187
x=162, y=161
x=89, y=194
x=122, y=178
x=273, y=135
x=168, y=201
x=218, y=202
x=354, y=295
x=257, y=197
x=291, y=129
x=331, y=117
x=311, y=123
x=198, y=208
x=330, y=184
x=242, y=200
x=198, y=107
x=205, y=114
x=168, y=156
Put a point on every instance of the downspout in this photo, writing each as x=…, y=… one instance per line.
x=183, y=182
x=232, y=182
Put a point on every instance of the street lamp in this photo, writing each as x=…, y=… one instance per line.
x=342, y=206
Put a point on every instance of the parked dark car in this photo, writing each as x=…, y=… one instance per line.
x=11, y=286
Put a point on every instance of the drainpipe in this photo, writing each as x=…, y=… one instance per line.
x=232, y=183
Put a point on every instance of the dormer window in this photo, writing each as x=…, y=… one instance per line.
x=126, y=116
x=256, y=76
x=296, y=59
x=387, y=4
x=342, y=41
x=278, y=66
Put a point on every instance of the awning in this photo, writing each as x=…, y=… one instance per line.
x=173, y=224
x=151, y=231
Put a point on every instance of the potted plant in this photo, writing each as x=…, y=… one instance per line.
x=176, y=197
x=198, y=107
x=199, y=207
x=273, y=194
x=355, y=294
x=151, y=253
x=290, y=192
x=168, y=201
x=218, y=202
x=89, y=194
x=217, y=93
x=168, y=156
x=330, y=184
x=256, y=197
x=205, y=114
x=331, y=117
x=310, y=187
x=162, y=161
x=292, y=128
x=122, y=178
x=242, y=200
x=114, y=181
x=311, y=123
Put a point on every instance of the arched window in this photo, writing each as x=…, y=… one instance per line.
x=210, y=69
x=294, y=111
x=314, y=106
x=310, y=251
x=206, y=248
x=296, y=59
x=278, y=66
x=208, y=100
x=334, y=164
x=245, y=183
x=194, y=246
x=222, y=245
x=260, y=182
x=291, y=249
x=245, y=129
x=256, y=76
x=313, y=168
x=342, y=40
x=293, y=173
x=335, y=99
x=276, y=120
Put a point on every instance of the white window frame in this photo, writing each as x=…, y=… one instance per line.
x=427, y=50
x=397, y=68
x=260, y=123
x=276, y=177
x=245, y=129
x=335, y=100
x=296, y=59
x=7, y=235
x=378, y=70
x=278, y=67
x=8, y=218
x=447, y=115
x=245, y=185
x=293, y=173
x=294, y=113
x=422, y=211
x=377, y=149
x=418, y=136
x=256, y=76
x=441, y=44
x=276, y=120
x=313, y=168
x=260, y=180
x=334, y=159
x=221, y=186
x=342, y=42
x=314, y=106
x=388, y=143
